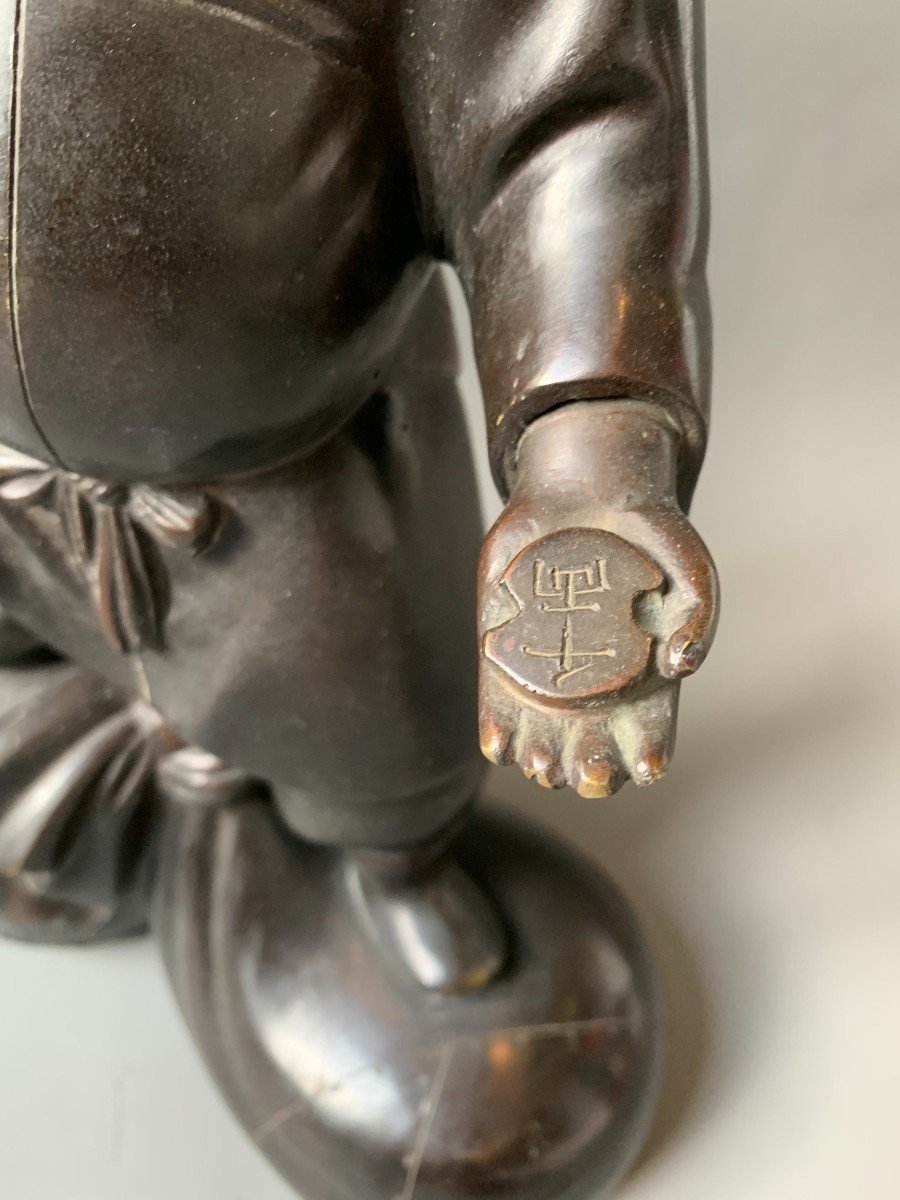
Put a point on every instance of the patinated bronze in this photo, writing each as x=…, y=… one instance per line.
x=239, y=543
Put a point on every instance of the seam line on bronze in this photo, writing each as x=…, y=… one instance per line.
x=429, y=1110
x=12, y=283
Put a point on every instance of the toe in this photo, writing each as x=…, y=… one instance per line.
x=496, y=740
x=536, y=756
x=645, y=736
x=651, y=763
x=595, y=771
x=540, y=765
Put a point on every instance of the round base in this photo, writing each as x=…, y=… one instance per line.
x=355, y=1081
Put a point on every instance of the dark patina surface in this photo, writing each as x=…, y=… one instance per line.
x=237, y=498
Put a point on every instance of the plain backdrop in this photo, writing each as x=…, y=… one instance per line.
x=766, y=865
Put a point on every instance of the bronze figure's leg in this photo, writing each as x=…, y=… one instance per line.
x=325, y=645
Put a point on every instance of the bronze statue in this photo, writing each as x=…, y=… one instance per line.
x=239, y=536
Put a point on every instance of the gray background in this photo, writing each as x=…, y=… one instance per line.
x=765, y=866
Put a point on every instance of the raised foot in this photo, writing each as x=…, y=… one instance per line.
x=358, y=1083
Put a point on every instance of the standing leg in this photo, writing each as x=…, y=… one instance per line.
x=326, y=644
